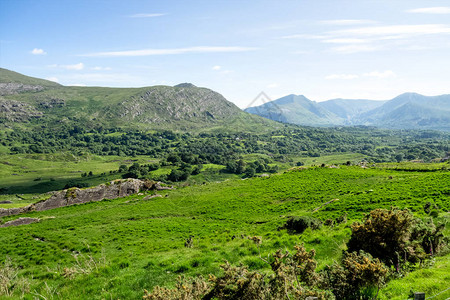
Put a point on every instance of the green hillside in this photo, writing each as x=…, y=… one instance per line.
x=183, y=107
x=7, y=76
x=118, y=248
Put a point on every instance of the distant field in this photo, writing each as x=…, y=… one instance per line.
x=31, y=174
x=138, y=244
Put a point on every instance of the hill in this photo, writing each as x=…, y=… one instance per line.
x=406, y=111
x=117, y=248
x=349, y=109
x=296, y=109
x=7, y=76
x=182, y=107
x=411, y=110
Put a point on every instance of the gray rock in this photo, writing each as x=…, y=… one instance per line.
x=114, y=189
x=20, y=221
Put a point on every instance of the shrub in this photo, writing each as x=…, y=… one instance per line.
x=290, y=278
x=358, y=276
x=385, y=234
x=191, y=289
x=300, y=224
x=429, y=236
x=74, y=184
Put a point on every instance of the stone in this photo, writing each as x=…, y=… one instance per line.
x=20, y=221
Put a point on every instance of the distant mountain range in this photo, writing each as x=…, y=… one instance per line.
x=406, y=111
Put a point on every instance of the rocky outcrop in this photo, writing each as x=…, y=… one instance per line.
x=16, y=111
x=170, y=104
x=20, y=221
x=112, y=190
x=11, y=88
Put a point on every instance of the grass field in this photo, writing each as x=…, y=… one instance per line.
x=117, y=248
x=29, y=175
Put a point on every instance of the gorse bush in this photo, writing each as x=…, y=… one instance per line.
x=396, y=237
x=292, y=276
x=385, y=234
x=358, y=276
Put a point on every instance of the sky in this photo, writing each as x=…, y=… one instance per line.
x=321, y=49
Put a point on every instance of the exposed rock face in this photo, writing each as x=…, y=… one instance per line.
x=12, y=88
x=114, y=189
x=16, y=111
x=20, y=221
x=171, y=104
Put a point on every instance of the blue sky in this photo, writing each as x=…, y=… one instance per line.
x=321, y=49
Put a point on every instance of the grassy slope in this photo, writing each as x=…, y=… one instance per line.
x=143, y=241
x=431, y=281
x=95, y=106
x=14, y=77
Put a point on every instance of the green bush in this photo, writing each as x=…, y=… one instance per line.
x=300, y=224
x=358, y=276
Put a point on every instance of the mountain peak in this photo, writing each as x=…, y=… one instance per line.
x=185, y=85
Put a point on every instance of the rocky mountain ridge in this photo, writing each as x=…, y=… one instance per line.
x=181, y=107
x=406, y=111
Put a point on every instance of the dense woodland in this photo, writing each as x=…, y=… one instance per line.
x=378, y=145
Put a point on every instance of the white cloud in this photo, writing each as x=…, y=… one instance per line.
x=350, y=49
x=273, y=85
x=341, y=76
x=376, y=74
x=305, y=36
x=301, y=52
x=345, y=22
x=77, y=67
x=345, y=41
x=37, y=51
x=376, y=38
x=101, y=68
x=431, y=10
x=216, y=68
x=54, y=79
x=395, y=31
x=147, y=15
x=373, y=74
x=170, y=51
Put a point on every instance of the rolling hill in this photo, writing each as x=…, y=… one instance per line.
x=182, y=107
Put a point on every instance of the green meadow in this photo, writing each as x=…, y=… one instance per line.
x=114, y=249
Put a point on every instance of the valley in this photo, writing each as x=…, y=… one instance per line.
x=244, y=189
